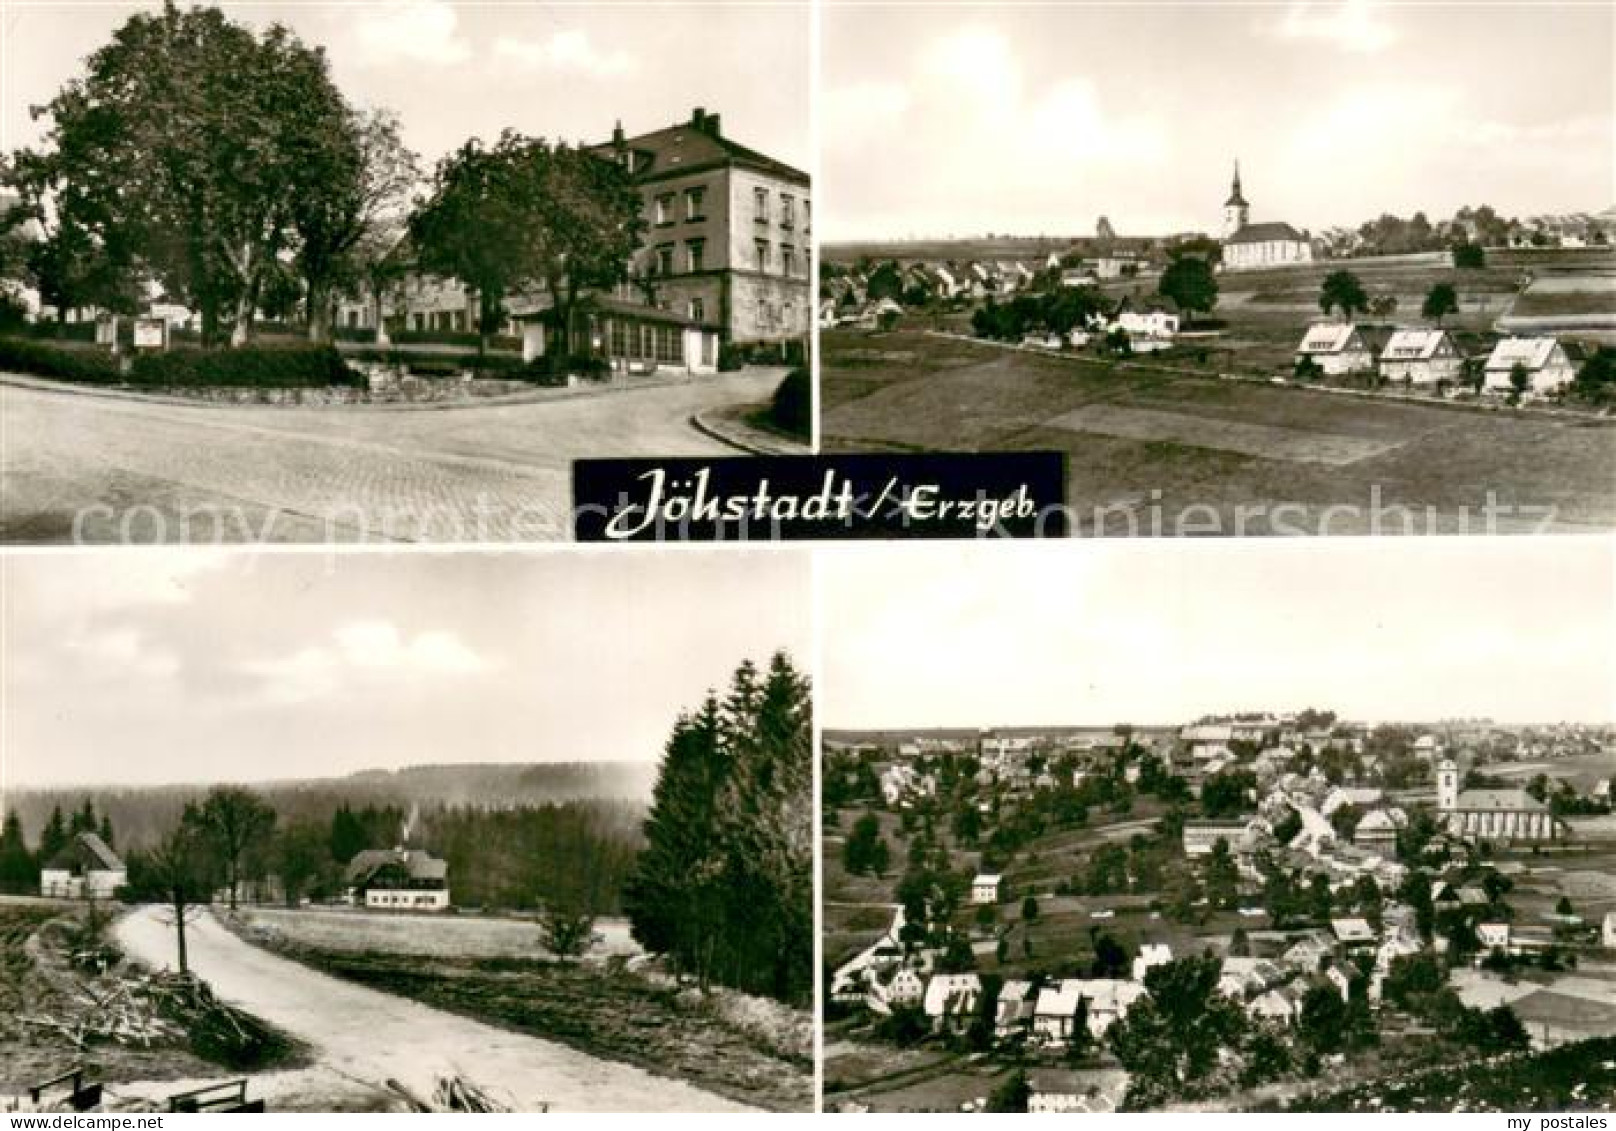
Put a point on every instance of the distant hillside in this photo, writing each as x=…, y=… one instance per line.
x=141, y=814
x=1009, y=248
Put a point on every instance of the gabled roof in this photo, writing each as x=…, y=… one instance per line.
x=1414, y=345
x=420, y=864
x=86, y=852
x=1500, y=800
x=1529, y=353
x=697, y=143
x=1267, y=233
x=1330, y=337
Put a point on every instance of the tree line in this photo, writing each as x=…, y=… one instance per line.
x=724, y=887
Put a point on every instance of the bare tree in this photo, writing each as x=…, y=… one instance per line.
x=180, y=870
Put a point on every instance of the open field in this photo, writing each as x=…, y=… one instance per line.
x=448, y=936
x=1178, y=453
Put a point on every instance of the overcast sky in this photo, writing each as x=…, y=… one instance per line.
x=454, y=70
x=948, y=120
x=1516, y=629
x=165, y=666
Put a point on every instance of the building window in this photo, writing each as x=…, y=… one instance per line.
x=664, y=259
x=788, y=212
x=617, y=334
x=695, y=204
x=807, y=216
x=694, y=250
x=698, y=310
x=788, y=261
x=664, y=209
x=762, y=254
x=760, y=205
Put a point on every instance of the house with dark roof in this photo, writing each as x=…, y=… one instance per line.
x=398, y=879
x=85, y=867
x=729, y=229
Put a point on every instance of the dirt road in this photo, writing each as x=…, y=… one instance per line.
x=363, y=1035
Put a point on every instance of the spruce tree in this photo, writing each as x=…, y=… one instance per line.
x=19, y=874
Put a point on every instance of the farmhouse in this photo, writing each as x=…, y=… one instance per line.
x=1420, y=357
x=1247, y=245
x=1015, y=1008
x=87, y=867
x=1153, y=319
x=1336, y=348
x=1491, y=814
x=1544, y=361
x=398, y=879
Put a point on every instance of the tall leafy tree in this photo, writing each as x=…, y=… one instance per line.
x=185, y=146
x=1342, y=290
x=1440, y=301
x=526, y=213
x=1190, y=283
x=233, y=822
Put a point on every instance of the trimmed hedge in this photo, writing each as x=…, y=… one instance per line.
x=792, y=409
x=90, y=366
x=288, y=367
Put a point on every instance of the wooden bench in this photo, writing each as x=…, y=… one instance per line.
x=224, y=1099
x=81, y=1097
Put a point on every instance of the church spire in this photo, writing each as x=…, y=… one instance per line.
x=1236, y=197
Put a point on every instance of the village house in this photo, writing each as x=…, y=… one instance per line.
x=1149, y=322
x=1421, y=357
x=1245, y=977
x=1150, y=955
x=1608, y=934
x=906, y=989
x=1547, y=366
x=987, y=889
x=84, y=868
x=1283, y=1005
x=950, y=1000
x=1015, y=1008
x=1493, y=936
x=1353, y=934
x=1337, y=348
x=1377, y=831
x=398, y=879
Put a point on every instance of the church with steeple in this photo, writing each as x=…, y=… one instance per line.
x=1247, y=245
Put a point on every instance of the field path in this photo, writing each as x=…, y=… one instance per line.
x=373, y=1036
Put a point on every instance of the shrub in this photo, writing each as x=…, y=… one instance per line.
x=466, y=338
x=539, y=371
x=285, y=367
x=433, y=367
x=91, y=366
x=591, y=368
x=730, y=357
x=792, y=408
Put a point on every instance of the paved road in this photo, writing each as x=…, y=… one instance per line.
x=94, y=468
x=365, y=1035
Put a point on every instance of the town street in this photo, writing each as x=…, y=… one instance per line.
x=365, y=1036
x=86, y=466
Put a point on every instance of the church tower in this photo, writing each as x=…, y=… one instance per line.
x=1235, y=210
x=1447, y=786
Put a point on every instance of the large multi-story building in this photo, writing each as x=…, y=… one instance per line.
x=728, y=233
x=728, y=230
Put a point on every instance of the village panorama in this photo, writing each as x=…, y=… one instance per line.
x=1243, y=912
x=1338, y=309
x=510, y=898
